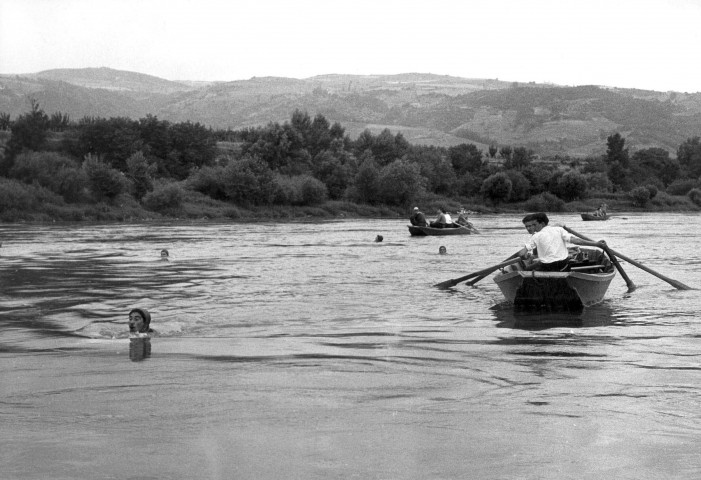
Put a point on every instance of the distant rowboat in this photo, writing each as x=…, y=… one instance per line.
x=417, y=231
x=589, y=217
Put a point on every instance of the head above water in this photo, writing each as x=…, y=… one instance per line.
x=164, y=253
x=379, y=238
x=139, y=320
x=442, y=250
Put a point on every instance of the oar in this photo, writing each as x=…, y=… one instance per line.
x=485, y=271
x=614, y=260
x=472, y=282
x=676, y=284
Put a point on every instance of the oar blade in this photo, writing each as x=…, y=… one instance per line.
x=446, y=285
x=486, y=271
x=679, y=285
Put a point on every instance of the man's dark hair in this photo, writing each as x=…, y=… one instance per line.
x=539, y=217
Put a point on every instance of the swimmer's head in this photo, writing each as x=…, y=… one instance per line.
x=139, y=320
x=379, y=238
x=164, y=253
x=442, y=250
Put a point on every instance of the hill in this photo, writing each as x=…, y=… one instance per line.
x=426, y=108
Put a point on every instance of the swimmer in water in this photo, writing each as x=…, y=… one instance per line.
x=164, y=254
x=139, y=322
x=442, y=250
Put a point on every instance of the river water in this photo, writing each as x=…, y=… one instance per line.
x=310, y=351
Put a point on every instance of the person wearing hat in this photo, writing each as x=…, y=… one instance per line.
x=418, y=219
x=139, y=321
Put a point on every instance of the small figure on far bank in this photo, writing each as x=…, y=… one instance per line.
x=139, y=322
x=442, y=250
x=164, y=255
x=418, y=219
x=443, y=220
x=550, y=243
x=379, y=238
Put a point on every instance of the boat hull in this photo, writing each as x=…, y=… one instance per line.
x=588, y=217
x=553, y=290
x=430, y=231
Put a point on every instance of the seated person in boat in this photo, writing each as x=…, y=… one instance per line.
x=550, y=243
x=462, y=219
x=139, y=322
x=443, y=220
x=601, y=211
x=418, y=219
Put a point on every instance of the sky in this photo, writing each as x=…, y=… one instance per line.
x=647, y=44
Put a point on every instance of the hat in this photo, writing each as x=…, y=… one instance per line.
x=416, y=208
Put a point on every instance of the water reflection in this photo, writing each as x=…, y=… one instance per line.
x=139, y=349
x=507, y=316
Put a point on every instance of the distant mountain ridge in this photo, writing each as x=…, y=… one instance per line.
x=109, y=79
x=426, y=108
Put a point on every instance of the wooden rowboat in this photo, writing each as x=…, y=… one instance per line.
x=584, y=283
x=589, y=217
x=423, y=231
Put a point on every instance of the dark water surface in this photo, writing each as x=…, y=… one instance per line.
x=308, y=351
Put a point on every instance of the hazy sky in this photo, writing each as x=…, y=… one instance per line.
x=649, y=44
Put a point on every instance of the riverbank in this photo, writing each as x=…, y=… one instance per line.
x=196, y=206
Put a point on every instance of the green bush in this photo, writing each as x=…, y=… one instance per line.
x=249, y=181
x=599, y=182
x=497, y=187
x=313, y=191
x=21, y=201
x=104, y=181
x=695, y=196
x=640, y=196
x=58, y=173
x=681, y=187
x=209, y=181
x=165, y=198
x=520, y=186
x=366, y=187
x=545, y=202
x=572, y=186
x=140, y=172
x=14, y=195
x=468, y=185
x=664, y=200
x=299, y=190
x=652, y=189
x=400, y=182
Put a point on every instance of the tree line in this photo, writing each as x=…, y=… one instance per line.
x=307, y=161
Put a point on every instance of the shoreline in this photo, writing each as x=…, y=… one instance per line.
x=322, y=212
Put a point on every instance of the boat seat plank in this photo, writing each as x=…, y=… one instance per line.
x=587, y=267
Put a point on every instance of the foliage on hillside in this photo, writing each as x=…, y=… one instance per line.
x=102, y=168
